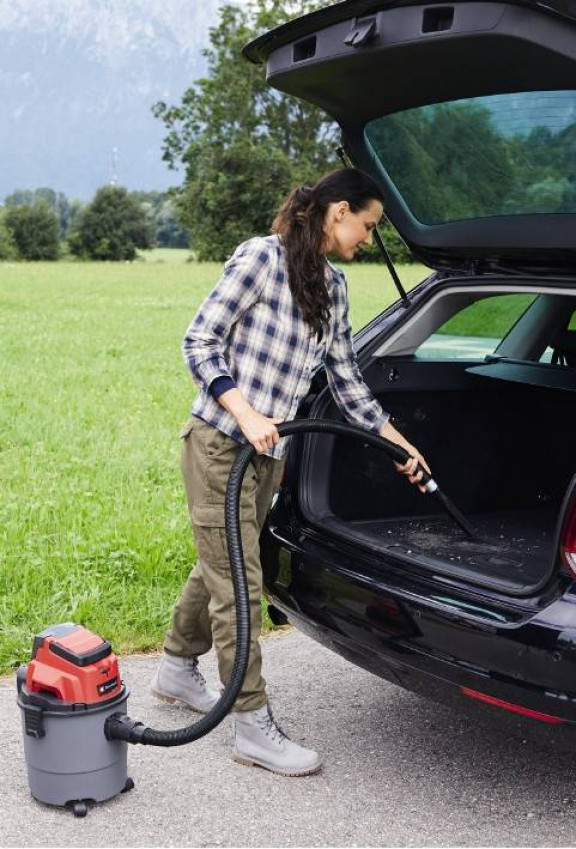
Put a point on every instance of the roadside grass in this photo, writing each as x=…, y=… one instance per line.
x=93, y=523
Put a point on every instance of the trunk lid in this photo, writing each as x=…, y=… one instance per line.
x=464, y=112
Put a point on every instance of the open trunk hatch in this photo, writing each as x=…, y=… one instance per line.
x=465, y=112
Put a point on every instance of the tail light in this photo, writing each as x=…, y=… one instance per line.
x=568, y=543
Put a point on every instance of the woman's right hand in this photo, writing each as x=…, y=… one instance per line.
x=410, y=468
x=259, y=430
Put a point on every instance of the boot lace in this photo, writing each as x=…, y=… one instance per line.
x=271, y=728
x=195, y=673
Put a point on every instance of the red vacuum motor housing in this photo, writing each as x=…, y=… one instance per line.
x=74, y=665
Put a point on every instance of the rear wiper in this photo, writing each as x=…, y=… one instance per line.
x=381, y=246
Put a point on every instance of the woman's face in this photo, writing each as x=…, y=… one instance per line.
x=347, y=231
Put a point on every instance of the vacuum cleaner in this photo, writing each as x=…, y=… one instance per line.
x=73, y=700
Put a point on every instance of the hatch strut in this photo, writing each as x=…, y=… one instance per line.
x=381, y=246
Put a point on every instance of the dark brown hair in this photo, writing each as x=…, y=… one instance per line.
x=300, y=224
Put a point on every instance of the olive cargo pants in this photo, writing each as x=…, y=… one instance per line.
x=205, y=614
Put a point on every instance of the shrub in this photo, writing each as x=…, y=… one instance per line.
x=34, y=231
x=111, y=227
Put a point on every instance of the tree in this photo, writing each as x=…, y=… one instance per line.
x=232, y=196
x=243, y=144
x=168, y=232
x=56, y=201
x=21, y=197
x=34, y=230
x=75, y=207
x=7, y=247
x=111, y=227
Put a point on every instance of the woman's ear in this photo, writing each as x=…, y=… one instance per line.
x=341, y=209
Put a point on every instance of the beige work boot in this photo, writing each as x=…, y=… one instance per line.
x=178, y=679
x=258, y=741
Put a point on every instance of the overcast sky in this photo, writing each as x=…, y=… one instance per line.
x=78, y=79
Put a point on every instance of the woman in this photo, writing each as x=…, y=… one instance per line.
x=278, y=311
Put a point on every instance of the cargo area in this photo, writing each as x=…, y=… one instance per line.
x=503, y=452
x=508, y=553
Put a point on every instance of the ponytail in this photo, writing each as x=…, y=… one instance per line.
x=300, y=224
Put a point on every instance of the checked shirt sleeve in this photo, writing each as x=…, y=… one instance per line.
x=239, y=287
x=344, y=377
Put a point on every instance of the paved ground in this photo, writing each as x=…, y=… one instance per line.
x=399, y=771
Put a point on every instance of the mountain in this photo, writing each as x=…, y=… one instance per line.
x=78, y=79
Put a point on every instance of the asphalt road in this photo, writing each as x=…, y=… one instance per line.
x=399, y=771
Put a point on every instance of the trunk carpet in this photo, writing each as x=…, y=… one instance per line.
x=513, y=549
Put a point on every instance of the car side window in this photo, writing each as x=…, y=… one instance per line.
x=562, y=349
x=476, y=330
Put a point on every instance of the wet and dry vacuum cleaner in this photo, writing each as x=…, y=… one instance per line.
x=73, y=700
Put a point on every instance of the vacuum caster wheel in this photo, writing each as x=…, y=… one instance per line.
x=80, y=809
x=128, y=786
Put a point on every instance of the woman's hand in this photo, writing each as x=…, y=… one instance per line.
x=409, y=469
x=259, y=430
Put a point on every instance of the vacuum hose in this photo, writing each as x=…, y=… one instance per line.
x=122, y=727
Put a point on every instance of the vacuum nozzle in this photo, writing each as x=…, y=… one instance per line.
x=400, y=455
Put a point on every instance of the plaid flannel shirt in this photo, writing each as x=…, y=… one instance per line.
x=250, y=330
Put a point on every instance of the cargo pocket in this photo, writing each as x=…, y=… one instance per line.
x=218, y=443
x=187, y=429
x=210, y=535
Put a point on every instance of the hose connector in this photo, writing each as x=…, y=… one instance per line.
x=118, y=726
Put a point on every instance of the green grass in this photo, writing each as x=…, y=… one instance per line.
x=93, y=523
x=491, y=317
x=165, y=255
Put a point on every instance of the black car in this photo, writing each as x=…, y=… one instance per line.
x=465, y=113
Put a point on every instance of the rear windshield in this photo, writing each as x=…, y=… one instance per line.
x=507, y=154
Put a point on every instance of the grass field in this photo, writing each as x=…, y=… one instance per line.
x=93, y=524
x=165, y=255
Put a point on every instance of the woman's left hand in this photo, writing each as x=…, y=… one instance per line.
x=409, y=468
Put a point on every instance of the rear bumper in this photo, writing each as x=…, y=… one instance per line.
x=418, y=635
x=457, y=688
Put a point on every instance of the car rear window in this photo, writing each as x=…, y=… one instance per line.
x=506, y=154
